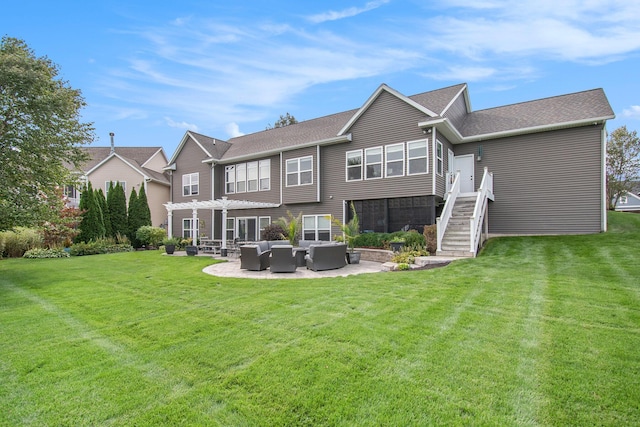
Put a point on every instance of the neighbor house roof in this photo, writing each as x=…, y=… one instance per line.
x=136, y=157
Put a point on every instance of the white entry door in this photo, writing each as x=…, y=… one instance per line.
x=465, y=165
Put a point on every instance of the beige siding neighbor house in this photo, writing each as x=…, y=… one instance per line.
x=133, y=167
x=536, y=167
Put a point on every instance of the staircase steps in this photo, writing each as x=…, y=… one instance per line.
x=457, y=238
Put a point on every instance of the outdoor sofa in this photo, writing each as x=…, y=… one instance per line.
x=253, y=258
x=283, y=259
x=327, y=256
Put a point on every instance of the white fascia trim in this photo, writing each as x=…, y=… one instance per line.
x=503, y=134
x=170, y=167
x=374, y=96
x=187, y=134
x=329, y=141
x=462, y=90
x=160, y=150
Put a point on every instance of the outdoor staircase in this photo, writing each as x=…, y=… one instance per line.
x=457, y=237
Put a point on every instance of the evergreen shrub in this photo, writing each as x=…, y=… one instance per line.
x=41, y=253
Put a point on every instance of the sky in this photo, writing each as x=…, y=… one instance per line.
x=151, y=70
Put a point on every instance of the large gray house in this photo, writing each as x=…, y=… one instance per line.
x=537, y=167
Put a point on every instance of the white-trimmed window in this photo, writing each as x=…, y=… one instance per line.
x=354, y=165
x=70, y=191
x=187, y=224
x=316, y=227
x=230, y=179
x=265, y=174
x=107, y=184
x=439, y=163
x=231, y=228
x=394, y=160
x=252, y=176
x=190, y=184
x=623, y=200
x=300, y=171
x=417, y=157
x=263, y=222
x=373, y=162
x=241, y=178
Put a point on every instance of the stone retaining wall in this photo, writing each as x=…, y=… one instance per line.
x=377, y=255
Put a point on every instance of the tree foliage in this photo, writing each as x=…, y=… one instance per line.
x=92, y=224
x=283, y=121
x=138, y=215
x=623, y=163
x=40, y=130
x=143, y=205
x=117, y=205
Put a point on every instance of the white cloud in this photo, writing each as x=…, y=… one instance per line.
x=233, y=130
x=180, y=125
x=345, y=13
x=632, y=112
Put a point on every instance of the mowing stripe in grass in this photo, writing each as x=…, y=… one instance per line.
x=172, y=388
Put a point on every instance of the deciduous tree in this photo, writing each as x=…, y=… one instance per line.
x=283, y=121
x=40, y=131
x=623, y=163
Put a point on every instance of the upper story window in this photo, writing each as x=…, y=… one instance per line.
x=230, y=179
x=251, y=176
x=417, y=157
x=373, y=162
x=439, y=163
x=241, y=178
x=354, y=165
x=624, y=200
x=300, y=171
x=190, y=184
x=394, y=160
x=265, y=174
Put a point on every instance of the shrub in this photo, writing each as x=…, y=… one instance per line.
x=41, y=253
x=403, y=266
x=408, y=256
x=272, y=232
x=100, y=246
x=414, y=240
x=171, y=241
x=431, y=238
x=148, y=235
x=371, y=240
x=20, y=240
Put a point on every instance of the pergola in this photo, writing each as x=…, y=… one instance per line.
x=224, y=204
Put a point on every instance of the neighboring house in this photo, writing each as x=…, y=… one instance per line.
x=396, y=158
x=133, y=167
x=630, y=202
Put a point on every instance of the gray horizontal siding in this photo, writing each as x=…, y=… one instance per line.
x=300, y=193
x=546, y=183
x=388, y=120
x=457, y=111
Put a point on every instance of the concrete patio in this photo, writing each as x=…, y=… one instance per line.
x=231, y=268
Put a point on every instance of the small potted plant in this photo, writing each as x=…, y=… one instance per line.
x=170, y=244
x=351, y=230
x=396, y=243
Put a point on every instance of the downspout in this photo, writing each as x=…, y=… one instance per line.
x=318, y=173
x=605, y=202
x=213, y=197
x=281, y=170
x=435, y=160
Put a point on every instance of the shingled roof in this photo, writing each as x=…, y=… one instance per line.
x=564, y=109
x=136, y=156
x=548, y=113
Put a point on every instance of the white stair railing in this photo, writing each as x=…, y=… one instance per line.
x=443, y=221
x=482, y=200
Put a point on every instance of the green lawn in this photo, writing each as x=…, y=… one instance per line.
x=536, y=331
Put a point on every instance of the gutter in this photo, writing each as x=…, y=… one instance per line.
x=329, y=141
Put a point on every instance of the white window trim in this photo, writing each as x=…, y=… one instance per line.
x=425, y=157
x=439, y=159
x=241, y=169
x=253, y=166
x=386, y=159
x=266, y=162
x=347, y=166
x=189, y=177
x=123, y=184
x=316, y=230
x=190, y=228
x=381, y=163
x=229, y=179
x=623, y=200
x=299, y=171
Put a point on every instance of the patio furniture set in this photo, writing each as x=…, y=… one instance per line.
x=281, y=257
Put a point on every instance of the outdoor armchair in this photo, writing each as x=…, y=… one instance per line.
x=253, y=258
